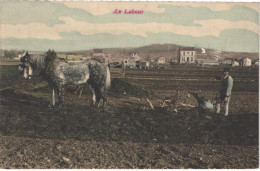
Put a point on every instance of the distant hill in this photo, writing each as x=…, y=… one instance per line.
x=154, y=51
x=238, y=55
x=154, y=48
x=171, y=51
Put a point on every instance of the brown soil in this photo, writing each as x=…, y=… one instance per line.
x=128, y=133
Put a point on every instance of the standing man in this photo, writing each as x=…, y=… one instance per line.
x=225, y=91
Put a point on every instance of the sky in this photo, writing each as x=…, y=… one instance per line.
x=84, y=25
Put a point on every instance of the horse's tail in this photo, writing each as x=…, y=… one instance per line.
x=108, y=78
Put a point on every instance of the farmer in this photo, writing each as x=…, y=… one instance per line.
x=225, y=91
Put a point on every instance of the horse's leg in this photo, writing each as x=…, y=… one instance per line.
x=104, y=101
x=98, y=94
x=52, y=101
x=53, y=97
x=80, y=92
x=61, y=96
x=104, y=96
x=94, y=95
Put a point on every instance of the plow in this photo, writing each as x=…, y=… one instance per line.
x=202, y=103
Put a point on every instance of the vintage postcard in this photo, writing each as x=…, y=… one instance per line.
x=129, y=85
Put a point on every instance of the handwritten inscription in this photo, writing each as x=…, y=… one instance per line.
x=127, y=11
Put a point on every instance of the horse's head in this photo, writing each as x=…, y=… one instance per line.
x=25, y=66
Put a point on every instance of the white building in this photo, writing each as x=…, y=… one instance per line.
x=235, y=63
x=144, y=64
x=187, y=55
x=228, y=61
x=136, y=56
x=245, y=62
x=161, y=60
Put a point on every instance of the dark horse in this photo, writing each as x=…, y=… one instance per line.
x=58, y=73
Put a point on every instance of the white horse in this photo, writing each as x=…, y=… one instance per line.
x=58, y=73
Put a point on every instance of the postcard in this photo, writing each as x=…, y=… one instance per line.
x=129, y=85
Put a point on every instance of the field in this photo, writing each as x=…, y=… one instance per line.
x=129, y=133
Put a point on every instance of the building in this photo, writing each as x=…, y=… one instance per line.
x=100, y=56
x=98, y=52
x=144, y=64
x=255, y=62
x=136, y=57
x=187, y=55
x=228, y=61
x=161, y=60
x=235, y=63
x=128, y=63
x=173, y=62
x=245, y=62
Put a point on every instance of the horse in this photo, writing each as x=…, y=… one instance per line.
x=59, y=73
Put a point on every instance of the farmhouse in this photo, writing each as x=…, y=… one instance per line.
x=173, y=61
x=161, y=60
x=245, y=62
x=142, y=64
x=145, y=64
x=98, y=52
x=235, y=63
x=255, y=62
x=128, y=63
x=136, y=56
x=187, y=55
x=100, y=56
x=228, y=61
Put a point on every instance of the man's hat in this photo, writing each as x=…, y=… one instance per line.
x=226, y=69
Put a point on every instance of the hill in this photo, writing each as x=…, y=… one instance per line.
x=171, y=51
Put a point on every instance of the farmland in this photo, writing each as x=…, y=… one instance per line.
x=128, y=133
